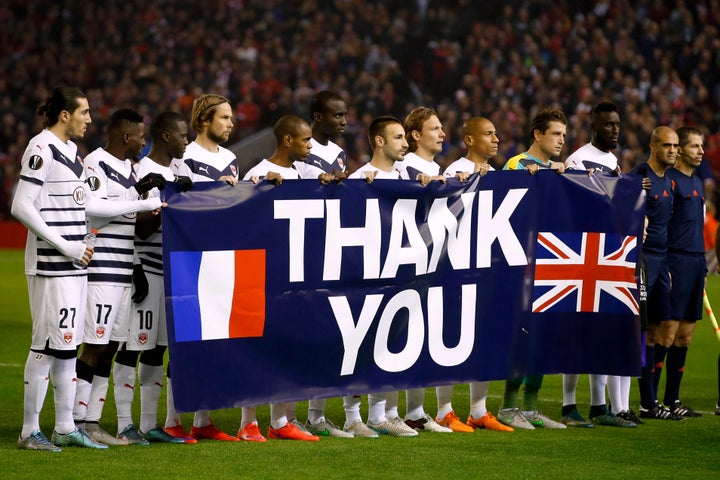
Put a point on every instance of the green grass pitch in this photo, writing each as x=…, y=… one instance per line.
x=656, y=450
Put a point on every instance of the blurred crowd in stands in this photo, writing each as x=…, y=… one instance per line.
x=659, y=60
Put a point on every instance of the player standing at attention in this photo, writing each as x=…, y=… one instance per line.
x=287, y=162
x=147, y=337
x=50, y=202
x=480, y=137
x=547, y=132
x=388, y=144
x=205, y=160
x=596, y=156
x=424, y=135
x=113, y=184
x=664, y=149
x=328, y=113
x=688, y=267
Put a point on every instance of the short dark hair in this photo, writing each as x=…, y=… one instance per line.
x=377, y=127
x=61, y=98
x=542, y=120
x=288, y=125
x=684, y=134
x=319, y=101
x=164, y=122
x=602, y=107
x=122, y=117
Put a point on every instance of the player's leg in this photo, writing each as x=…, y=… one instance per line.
x=510, y=413
x=570, y=414
x=479, y=416
x=446, y=416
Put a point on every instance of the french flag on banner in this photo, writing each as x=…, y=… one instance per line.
x=218, y=294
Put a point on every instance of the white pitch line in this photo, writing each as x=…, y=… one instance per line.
x=10, y=365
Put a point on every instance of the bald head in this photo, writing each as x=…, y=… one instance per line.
x=664, y=147
x=481, y=139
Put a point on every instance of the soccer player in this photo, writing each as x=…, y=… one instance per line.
x=292, y=135
x=547, y=133
x=328, y=112
x=482, y=142
x=205, y=160
x=688, y=267
x=424, y=135
x=480, y=137
x=113, y=183
x=50, y=202
x=147, y=337
x=388, y=143
x=596, y=156
x=664, y=148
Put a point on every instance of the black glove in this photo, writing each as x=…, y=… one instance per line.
x=140, y=283
x=150, y=181
x=184, y=182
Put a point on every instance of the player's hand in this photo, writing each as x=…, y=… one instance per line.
x=370, y=176
x=591, y=171
x=150, y=181
x=184, y=182
x=424, y=179
x=559, y=167
x=438, y=178
x=140, y=283
x=646, y=183
x=274, y=177
x=482, y=169
x=229, y=179
x=339, y=176
x=462, y=176
x=326, y=178
x=254, y=179
x=532, y=169
x=87, y=255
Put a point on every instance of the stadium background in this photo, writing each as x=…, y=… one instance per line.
x=658, y=60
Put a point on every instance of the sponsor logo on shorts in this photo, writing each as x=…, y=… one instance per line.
x=100, y=332
x=68, y=337
x=142, y=338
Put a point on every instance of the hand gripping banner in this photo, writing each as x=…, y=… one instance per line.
x=298, y=291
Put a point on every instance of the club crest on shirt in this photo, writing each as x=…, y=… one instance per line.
x=36, y=162
x=142, y=338
x=93, y=183
x=233, y=170
x=100, y=332
x=340, y=162
x=79, y=195
x=68, y=337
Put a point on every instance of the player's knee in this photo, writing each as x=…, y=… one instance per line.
x=128, y=358
x=683, y=341
x=153, y=357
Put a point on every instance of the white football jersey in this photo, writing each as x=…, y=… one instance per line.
x=55, y=166
x=298, y=170
x=202, y=165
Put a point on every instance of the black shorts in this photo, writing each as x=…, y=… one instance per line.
x=658, y=288
x=687, y=274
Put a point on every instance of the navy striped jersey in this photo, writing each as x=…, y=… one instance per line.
x=149, y=251
x=113, y=179
x=56, y=167
x=414, y=165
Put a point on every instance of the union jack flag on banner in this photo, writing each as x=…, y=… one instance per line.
x=585, y=272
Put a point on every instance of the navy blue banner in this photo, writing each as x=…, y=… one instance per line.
x=298, y=291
